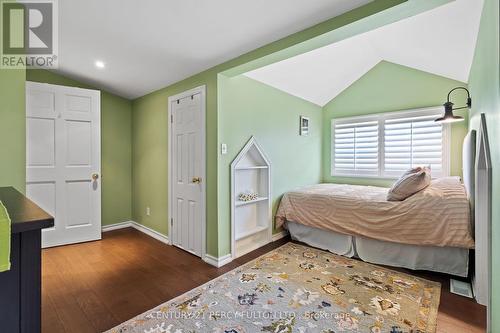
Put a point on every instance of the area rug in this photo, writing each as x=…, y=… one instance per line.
x=296, y=288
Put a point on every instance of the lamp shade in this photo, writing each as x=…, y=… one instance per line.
x=449, y=117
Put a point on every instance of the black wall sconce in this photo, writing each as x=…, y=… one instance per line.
x=448, y=116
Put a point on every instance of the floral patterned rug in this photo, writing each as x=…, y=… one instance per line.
x=299, y=289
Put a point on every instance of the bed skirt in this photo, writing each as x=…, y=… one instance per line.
x=449, y=260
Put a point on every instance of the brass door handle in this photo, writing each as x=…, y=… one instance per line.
x=196, y=180
x=95, y=176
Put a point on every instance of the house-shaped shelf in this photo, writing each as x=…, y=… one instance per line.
x=251, y=221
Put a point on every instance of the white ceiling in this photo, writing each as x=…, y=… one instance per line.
x=439, y=41
x=147, y=45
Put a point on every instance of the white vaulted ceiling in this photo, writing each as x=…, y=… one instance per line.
x=147, y=45
x=440, y=41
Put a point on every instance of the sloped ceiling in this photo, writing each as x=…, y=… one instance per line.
x=147, y=45
x=440, y=41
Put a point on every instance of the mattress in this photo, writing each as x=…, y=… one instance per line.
x=436, y=216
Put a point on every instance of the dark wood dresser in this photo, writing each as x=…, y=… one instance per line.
x=20, y=288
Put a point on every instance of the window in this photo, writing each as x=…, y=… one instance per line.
x=385, y=145
x=356, y=147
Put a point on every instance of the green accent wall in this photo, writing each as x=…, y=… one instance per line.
x=150, y=156
x=116, y=147
x=391, y=87
x=248, y=107
x=12, y=128
x=150, y=137
x=484, y=84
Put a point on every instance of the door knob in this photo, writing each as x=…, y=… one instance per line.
x=95, y=176
x=197, y=180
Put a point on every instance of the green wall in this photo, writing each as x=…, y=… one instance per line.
x=150, y=143
x=12, y=129
x=484, y=84
x=116, y=147
x=150, y=156
x=392, y=87
x=248, y=107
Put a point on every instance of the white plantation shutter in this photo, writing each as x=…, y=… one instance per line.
x=386, y=145
x=356, y=147
x=410, y=142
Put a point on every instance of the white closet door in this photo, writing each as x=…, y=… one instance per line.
x=63, y=160
x=187, y=161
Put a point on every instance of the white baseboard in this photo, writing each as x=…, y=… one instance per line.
x=148, y=231
x=218, y=262
x=283, y=233
x=116, y=226
x=152, y=233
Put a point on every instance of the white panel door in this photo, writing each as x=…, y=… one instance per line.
x=187, y=170
x=63, y=160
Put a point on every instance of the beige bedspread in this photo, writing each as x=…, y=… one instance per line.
x=438, y=215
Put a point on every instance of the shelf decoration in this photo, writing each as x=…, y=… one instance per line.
x=251, y=221
x=248, y=196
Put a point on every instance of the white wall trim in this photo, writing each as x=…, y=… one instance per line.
x=218, y=262
x=282, y=234
x=132, y=224
x=116, y=226
x=152, y=233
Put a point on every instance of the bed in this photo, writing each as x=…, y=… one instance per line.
x=430, y=230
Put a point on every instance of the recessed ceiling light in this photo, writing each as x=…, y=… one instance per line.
x=99, y=64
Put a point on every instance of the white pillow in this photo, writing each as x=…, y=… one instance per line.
x=411, y=182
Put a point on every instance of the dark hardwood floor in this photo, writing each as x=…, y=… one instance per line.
x=91, y=287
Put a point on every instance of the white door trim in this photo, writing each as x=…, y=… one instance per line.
x=198, y=90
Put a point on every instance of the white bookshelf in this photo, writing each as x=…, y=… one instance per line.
x=251, y=221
